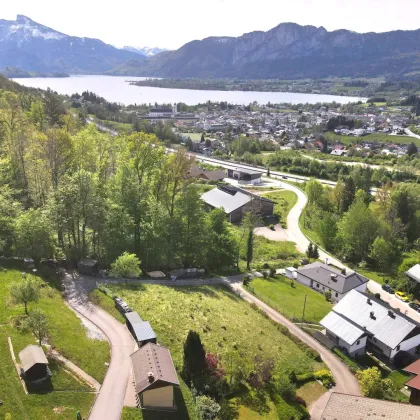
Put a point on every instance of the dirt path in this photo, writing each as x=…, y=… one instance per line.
x=345, y=381
x=111, y=397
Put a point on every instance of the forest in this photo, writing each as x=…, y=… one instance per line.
x=69, y=191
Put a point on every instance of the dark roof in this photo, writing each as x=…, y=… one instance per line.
x=345, y=407
x=332, y=278
x=161, y=110
x=246, y=171
x=156, y=360
x=213, y=175
x=31, y=356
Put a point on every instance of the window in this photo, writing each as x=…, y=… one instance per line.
x=336, y=294
x=358, y=342
x=398, y=348
x=317, y=285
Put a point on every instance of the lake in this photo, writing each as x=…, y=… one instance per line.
x=116, y=89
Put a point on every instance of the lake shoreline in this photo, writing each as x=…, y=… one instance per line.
x=117, y=89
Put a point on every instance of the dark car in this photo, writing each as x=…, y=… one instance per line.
x=415, y=306
x=388, y=288
x=122, y=306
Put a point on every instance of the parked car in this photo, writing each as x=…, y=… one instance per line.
x=415, y=306
x=388, y=288
x=121, y=305
x=402, y=296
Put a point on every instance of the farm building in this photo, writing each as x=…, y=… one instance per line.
x=88, y=266
x=236, y=202
x=34, y=364
x=141, y=330
x=155, y=377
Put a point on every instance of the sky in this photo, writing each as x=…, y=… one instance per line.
x=172, y=23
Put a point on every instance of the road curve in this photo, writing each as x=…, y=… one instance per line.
x=110, y=400
x=345, y=380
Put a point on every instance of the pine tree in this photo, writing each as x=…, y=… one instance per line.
x=202, y=138
x=315, y=253
x=310, y=250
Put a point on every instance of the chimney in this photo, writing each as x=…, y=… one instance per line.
x=369, y=301
x=151, y=377
x=334, y=277
x=343, y=271
x=391, y=314
x=372, y=315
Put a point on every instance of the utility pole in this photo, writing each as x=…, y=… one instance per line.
x=304, y=306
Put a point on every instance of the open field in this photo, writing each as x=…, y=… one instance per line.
x=285, y=200
x=69, y=337
x=280, y=295
x=311, y=391
x=228, y=326
x=193, y=136
x=375, y=137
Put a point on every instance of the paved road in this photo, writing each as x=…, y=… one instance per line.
x=110, y=400
x=345, y=381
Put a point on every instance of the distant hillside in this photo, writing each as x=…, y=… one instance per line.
x=290, y=51
x=33, y=47
x=16, y=73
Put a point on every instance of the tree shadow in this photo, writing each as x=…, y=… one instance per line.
x=44, y=387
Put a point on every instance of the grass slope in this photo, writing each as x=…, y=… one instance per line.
x=285, y=201
x=278, y=293
x=69, y=337
x=373, y=138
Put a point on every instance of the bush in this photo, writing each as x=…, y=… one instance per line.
x=265, y=274
x=272, y=271
x=327, y=295
x=305, y=377
x=285, y=388
x=378, y=296
x=271, y=227
x=246, y=280
x=266, y=265
x=325, y=377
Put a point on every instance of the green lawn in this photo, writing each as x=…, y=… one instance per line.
x=193, y=136
x=280, y=295
x=68, y=336
x=311, y=391
x=285, y=201
x=228, y=326
x=375, y=137
x=276, y=253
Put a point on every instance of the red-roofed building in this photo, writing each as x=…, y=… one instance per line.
x=414, y=382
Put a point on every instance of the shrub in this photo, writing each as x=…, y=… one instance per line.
x=266, y=265
x=305, y=377
x=378, y=296
x=265, y=274
x=208, y=409
x=271, y=227
x=327, y=295
x=285, y=388
x=126, y=266
x=272, y=271
x=246, y=280
x=325, y=377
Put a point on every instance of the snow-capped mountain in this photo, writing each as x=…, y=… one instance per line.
x=146, y=51
x=34, y=47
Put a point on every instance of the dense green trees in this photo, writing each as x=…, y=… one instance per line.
x=67, y=190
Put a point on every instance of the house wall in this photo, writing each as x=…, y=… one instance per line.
x=352, y=350
x=159, y=397
x=290, y=274
x=407, y=345
x=362, y=288
x=415, y=397
x=304, y=280
x=379, y=347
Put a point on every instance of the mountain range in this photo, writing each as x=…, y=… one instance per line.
x=288, y=51
x=33, y=47
x=145, y=51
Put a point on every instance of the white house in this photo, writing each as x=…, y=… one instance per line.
x=359, y=322
x=414, y=273
x=321, y=277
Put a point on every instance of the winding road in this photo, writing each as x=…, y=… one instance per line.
x=112, y=394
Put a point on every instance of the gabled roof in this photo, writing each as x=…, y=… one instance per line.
x=390, y=330
x=144, y=331
x=133, y=318
x=332, y=278
x=32, y=355
x=346, y=407
x=414, y=369
x=414, y=273
x=342, y=328
x=218, y=198
x=156, y=360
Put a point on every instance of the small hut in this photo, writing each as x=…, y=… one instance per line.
x=34, y=364
x=141, y=330
x=88, y=266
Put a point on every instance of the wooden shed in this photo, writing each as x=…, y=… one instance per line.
x=155, y=377
x=88, y=266
x=34, y=364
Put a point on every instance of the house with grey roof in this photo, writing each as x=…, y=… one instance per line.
x=322, y=277
x=236, y=202
x=360, y=322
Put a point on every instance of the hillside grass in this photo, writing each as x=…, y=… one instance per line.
x=285, y=201
x=280, y=295
x=228, y=327
x=68, y=336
